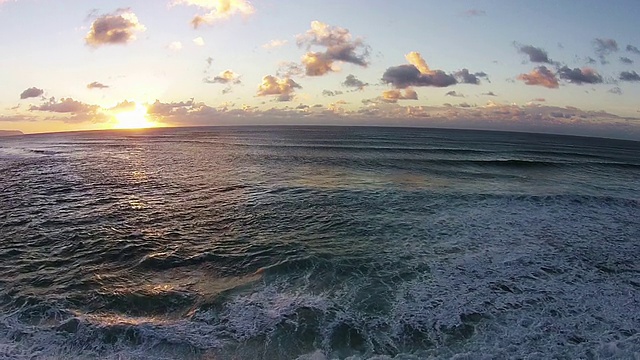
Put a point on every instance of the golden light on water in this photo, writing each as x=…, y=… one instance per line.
x=134, y=119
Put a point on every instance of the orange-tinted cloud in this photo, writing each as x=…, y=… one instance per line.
x=96, y=85
x=119, y=27
x=393, y=96
x=217, y=10
x=540, y=76
x=225, y=77
x=317, y=64
x=414, y=58
x=340, y=47
x=283, y=88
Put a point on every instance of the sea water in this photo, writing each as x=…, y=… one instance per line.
x=318, y=243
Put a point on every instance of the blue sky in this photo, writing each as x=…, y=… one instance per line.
x=544, y=66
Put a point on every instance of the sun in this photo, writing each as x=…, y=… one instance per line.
x=134, y=119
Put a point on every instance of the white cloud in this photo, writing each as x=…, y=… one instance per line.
x=199, y=41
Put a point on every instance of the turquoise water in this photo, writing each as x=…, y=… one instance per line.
x=318, y=243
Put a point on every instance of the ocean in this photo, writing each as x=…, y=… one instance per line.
x=318, y=243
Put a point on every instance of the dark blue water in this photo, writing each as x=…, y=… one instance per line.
x=318, y=243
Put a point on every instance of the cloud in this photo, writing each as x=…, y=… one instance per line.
x=616, y=90
x=289, y=69
x=540, y=76
x=539, y=100
x=579, y=76
x=275, y=44
x=352, y=81
x=604, y=47
x=96, y=85
x=633, y=49
x=416, y=74
x=536, y=55
x=65, y=105
x=217, y=10
x=168, y=109
x=475, y=12
x=119, y=27
x=629, y=76
x=490, y=93
x=31, y=92
x=340, y=47
x=225, y=77
x=626, y=60
x=454, y=94
x=392, y=96
x=465, y=77
x=331, y=93
x=72, y=111
x=284, y=88
x=199, y=41
x=175, y=46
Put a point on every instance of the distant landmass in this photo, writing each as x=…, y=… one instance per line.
x=10, y=132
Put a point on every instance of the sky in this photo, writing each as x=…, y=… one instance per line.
x=545, y=66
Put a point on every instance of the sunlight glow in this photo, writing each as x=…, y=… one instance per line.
x=134, y=119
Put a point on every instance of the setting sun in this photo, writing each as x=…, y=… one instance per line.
x=134, y=119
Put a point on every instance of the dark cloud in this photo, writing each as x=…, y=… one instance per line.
x=352, y=81
x=629, y=76
x=408, y=75
x=96, y=85
x=339, y=47
x=225, y=77
x=490, y=93
x=626, y=60
x=540, y=76
x=119, y=27
x=465, y=77
x=31, y=92
x=616, y=90
x=168, y=109
x=454, y=94
x=65, y=105
x=604, y=47
x=633, y=49
x=536, y=55
x=579, y=76
x=331, y=93
x=475, y=12
x=284, y=88
x=302, y=107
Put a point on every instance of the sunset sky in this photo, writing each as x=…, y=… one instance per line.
x=545, y=66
